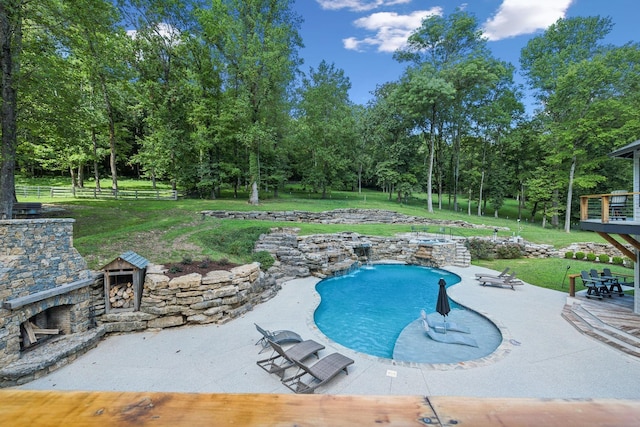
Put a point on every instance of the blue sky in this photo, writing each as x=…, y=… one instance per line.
x=359, y=36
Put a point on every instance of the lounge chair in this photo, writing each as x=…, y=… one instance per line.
x=442, y=327
x=508, y=281
x=280, y=359
x=612, y=281
x=279, y=337
x=595, y=287
x=319, y=374
x=493, y=276
x=449, y=337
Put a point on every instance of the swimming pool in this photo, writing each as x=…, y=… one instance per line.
x=374, y=310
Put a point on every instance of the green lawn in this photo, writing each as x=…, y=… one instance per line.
x=168, y=231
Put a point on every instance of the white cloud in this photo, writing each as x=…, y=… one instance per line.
x=516, y=17
x=358, y=5
x=391, y=30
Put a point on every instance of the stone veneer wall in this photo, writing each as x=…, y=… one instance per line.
x=37, y=256
x=217, y=297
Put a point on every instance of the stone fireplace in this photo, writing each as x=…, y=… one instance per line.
x=45, y=287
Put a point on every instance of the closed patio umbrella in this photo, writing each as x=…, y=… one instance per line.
x=442, y=306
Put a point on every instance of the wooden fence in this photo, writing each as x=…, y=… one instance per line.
x=92, y=193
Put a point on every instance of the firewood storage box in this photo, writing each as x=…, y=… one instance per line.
x=123, y=281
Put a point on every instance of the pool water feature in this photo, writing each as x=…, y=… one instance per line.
x=375, y=310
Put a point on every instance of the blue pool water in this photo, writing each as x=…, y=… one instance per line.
x=369, y=309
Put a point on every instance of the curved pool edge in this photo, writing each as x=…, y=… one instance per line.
x=504, y=348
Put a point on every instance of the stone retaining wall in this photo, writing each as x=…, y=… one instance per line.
x=216, y=297
x=595, y=248
x=325, y=255
x=341, y=216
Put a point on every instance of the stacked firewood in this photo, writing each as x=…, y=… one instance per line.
x=121, y=296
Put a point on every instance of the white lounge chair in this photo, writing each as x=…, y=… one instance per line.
x=449, y=337
x=445, y=326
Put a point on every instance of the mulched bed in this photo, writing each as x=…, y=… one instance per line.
x=202, y=267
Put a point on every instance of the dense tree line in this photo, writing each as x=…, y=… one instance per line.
x=211, y=94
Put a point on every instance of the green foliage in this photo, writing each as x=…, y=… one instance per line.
x=264, y=258
x=616, y=260
x=603, y=258
x=591, y=257
x=238, y=242
x=175, y=269
x=579, y=255
x=568, y=255
x=480, y=249
x=509, y=251
x=186, y=260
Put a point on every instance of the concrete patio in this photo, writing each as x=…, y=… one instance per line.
x=542, y=355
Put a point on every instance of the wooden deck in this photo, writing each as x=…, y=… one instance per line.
x=610, y=320
x=46, y=408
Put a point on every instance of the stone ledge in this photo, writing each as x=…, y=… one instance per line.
x=15, y=303
x=49, y=357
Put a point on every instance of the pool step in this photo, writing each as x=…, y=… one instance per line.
x=463, y=257
x=587, y=319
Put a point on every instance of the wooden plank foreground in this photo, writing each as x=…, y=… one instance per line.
x=47, y=408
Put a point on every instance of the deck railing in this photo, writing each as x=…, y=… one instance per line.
x=608, y=207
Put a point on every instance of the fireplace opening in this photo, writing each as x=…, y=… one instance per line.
x=45, y=325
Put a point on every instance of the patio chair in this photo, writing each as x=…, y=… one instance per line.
x=318, y=374
x=493, y=276
x=280, y=359
x=449, y=337
x=442, y=327
x=617, y=203
x=613, y=281
x=279, y=337
x=593, y=286
x=593, y=273
x=508, y=281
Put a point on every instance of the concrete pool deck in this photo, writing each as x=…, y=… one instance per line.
x=542, y=355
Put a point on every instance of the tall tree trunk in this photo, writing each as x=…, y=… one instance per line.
x=74, y=179
x=432, y=150
x=11, y=45
x=480, y=193
x=555, y=221
x=81, y=176
x=567, y=218
x=254, y=166
x=96, y=170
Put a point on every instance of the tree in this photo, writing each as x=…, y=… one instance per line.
x=452, y=70
x=582, y=86
x=11, y=16
x=258, y=41
x=326, y=127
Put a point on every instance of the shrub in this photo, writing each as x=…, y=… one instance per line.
x=480, y=249
x=617, y=260
x=568, y=255
x=175, y=269
x=579, y=255
x=628, y=263
x=603, y=258
x=264, y=258
x=509, y=251
x=186, y=260
x=591, y=257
